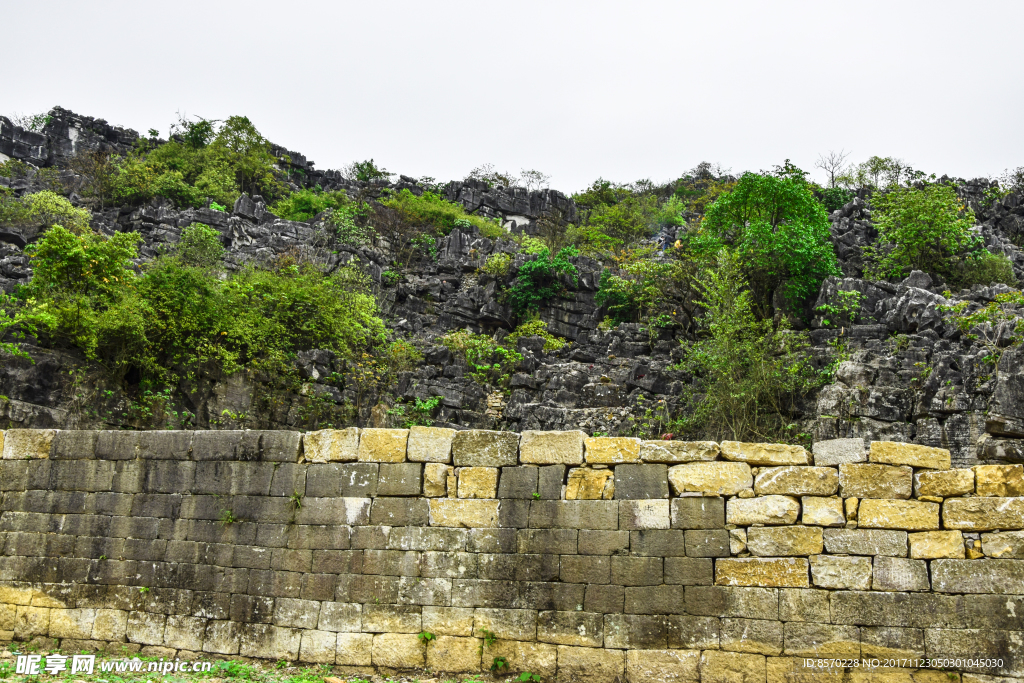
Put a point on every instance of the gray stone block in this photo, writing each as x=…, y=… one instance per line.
x=518, y=567
x=692, y=632
x=759, y=636
x=637, y=571
x=549, y=482
x=338, y=561
x=698, y=512
x=553, y=541
x=165, y=445
x=117, y=445
x=484, y=448
x=900, y=574
x=251, y=609
x=483, y=593
x=491, y=540
x=69, y=444
x=596, y=542
x=866, y=542
x=234, y=478
x=574, y=514
x=429, y=538
x=585, y=569
x=584, y=629
x=545, y=595
x=400, y=512
x=665, y=599
x=803, y=604
x=838, y=451
x=707, y=543
x=518, y=482
x=636, y=482
x=289, y=479
x=400, y=479
x=635, y=631
x=317, y=536
x=357, y=480
x=978, y=576
x=657, y=543
x=168, y=476
x=689, y=571
x=449, y=565
x=728, y=601
x=514, y=514
x=604, y=599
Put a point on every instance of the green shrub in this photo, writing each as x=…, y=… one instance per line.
x=538, y=280
x=433, y=210
x=536, y=328
x=367, y=171
x=640, y=289
x=985, y=269
x=489, y=362
x=42, y=208
x=305, y=204
x=778, y=231
x=927, y=229
x=497, y=265
x=199, y=246
x=748, y=373
x=835, y=198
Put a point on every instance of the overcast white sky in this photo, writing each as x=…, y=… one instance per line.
x=623, y=90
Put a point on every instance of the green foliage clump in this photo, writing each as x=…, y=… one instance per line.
x=536, y=328
x=538, y=280
x=988, y=324
x=749, y=372
x=779, y=233
x=305, y=204
x=640, y=289
x=835, y=198
x=367, y=171
x=489, y=362
x=497, y=265
x=44, y=208
x=433, y=210
x=925, y=228
x=181, y=313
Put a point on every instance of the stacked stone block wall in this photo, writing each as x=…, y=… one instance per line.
x=576, y=558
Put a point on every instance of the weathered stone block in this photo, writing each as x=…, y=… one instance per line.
x=453, y=655
x=761, y=571
x=999, y=480
x=145, y=628
x=637, y=571
x=574, y=514
x=806, y=639
x=943, y=483
x=784, y=541
x=838, y=451
x=866, y=542
x=485, y=448
x=70, y=444
x=689, y=571
x=538, y=658
x=983, y=514
x=766, y=454
x=644, y=514
x=707, y=543
x=639, y=631
x=846, y=573
x=435, y=479
x=383, y=445
x=698, y=512
x=27, y=444
x=590, y=484
x=398, y=651
x=382, y=618
x=477, y=482
x=270, y=642
x=551, y=448
x=731, y=667
x=751, y=635
x=583, y=629
x=673, y=452
x=1006, y=545
x=762, y=510
x=692, y=633
x=822, y=511
x=340, y=616
x=711, y=478
x=71, y=623
x=430, y=444
x=977, y=576
x=448, y=621
x=899, y=574
x=894, y=453
x=662, y=666
x=749, y=603
x=805, y=604
x=319, y=647
x=400, y=479
x=354, y=649
x=110, y=624
x=797, y=481
x=911, y=515
x=331, y=445
x=641, y=482
x=931, y=545
x=463, y=513
x=892, y=642
x=865, y=480
x=594, y=665
x=611, y=450
x=549, y=482
x=512, y=624
x=518, y=482
x=597, y=542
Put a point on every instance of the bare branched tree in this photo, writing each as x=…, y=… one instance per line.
x=533, y=179
x=832, y=164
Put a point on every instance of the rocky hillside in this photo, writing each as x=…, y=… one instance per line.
x=896, y=366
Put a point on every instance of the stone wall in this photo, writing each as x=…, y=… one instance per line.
x=576, y=558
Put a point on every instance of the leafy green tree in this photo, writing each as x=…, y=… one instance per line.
x=748, y=372
x=367, y=171
x=538, y=280
x=778, y=231
x=247, y=153
x=925, y=228
x=44, y=208
x=305, y=204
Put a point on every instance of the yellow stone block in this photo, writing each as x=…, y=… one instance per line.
x=331, y=445
x=911, y=515
x=662, y=666
x=435, y=479
x=585, y=483
x=931, y=545
x=23, y=444
x=398, y=651
x=983, y=514
x=430, y=444
x=478, y=482
x=611, y=450
x=383, y=445
x=451, y=512
x=943, y=483
x=999, y=480
x=551, y=448
x=711, y=478
x=822, y=511
x=453, y=655
x=765, y=453
x=895, y=453
x=787, y=572
x=731, y=667
x=678, y=451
